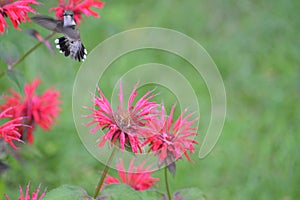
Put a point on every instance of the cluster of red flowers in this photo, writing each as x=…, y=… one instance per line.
x=17, y=10
x=27, y=112
x=136, y=124
x=142, y=123
x=20, y=114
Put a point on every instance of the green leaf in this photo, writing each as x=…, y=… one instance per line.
x=67, y=192
x=8, y=52
x=189, y=194
x=17, y=77
x=121, y=192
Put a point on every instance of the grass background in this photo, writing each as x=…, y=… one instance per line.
x=255, y=45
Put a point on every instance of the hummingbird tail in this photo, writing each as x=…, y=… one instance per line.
x=61, y=44
x=72, y=48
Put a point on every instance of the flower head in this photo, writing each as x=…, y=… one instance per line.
x=79, y=7
x=170, y=139
x=138, y=178
x=35, y=109
x=16, y=11
x=9, y=131
x=34, y=195
x=125, y=124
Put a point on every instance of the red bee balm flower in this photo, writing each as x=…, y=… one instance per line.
x=168, y=139
x=138, y=178
x=34, y=195
x=16, y=11
x=9, y=131
x=124, y=125
x=79, y=7
x=35, y=109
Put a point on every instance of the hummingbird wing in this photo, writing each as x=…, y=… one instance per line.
x=48, y=23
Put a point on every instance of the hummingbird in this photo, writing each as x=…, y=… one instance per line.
x=70, y=44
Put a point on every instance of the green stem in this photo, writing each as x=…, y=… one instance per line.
x=167, y=184
x=101, y=180
x=28, y=52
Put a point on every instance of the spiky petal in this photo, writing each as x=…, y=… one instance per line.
x=10, y=130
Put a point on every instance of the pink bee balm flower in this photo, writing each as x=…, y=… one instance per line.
x=138, y=178
x=35, y=109
x=34, y=195
x=170, y=139
x=79, y=7
x=125, y=124
x=9, y=131
x=16, y=11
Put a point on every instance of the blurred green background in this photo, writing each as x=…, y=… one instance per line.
x=255, y=45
